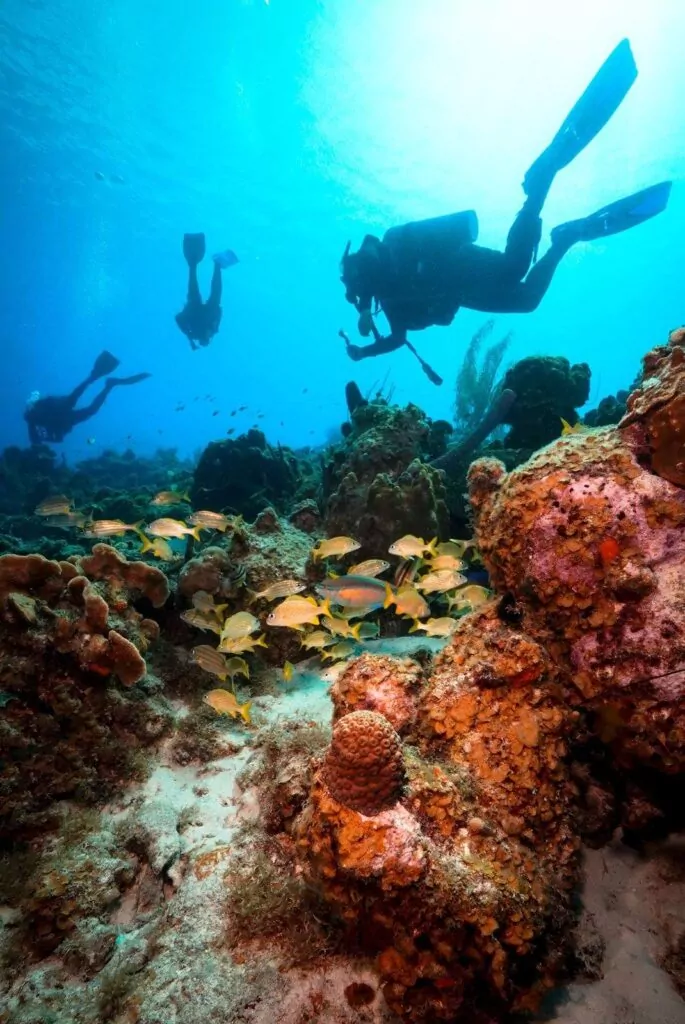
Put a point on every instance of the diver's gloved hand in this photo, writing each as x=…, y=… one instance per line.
x=355, y=352
x=365, y=323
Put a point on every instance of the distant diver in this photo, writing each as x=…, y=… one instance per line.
x=199, y=320
x=421, y=273
x=52, y=418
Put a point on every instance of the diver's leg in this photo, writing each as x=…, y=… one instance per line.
x=81, y=415
x=527, y=295
x=72, y=398
x=215, y=290
x=523, y=240
x=194, y=297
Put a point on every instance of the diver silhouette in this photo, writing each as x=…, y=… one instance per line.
x=52, y=418
x=420, y=274
x=199, y=320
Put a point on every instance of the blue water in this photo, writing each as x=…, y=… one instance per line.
x=282, y=130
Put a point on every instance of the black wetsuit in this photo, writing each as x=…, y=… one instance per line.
x=414, y=293
x=199, y=320
x=52, y=418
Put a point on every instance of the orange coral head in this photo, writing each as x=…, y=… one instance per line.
x=609, y=549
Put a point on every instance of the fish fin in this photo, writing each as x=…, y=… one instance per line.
x=566, y=427
x=432, y=547
x=262, y=641
x=316, y=554
x=333, y=576
x=195, y=532
x=147, y=544
x=390, y=597
x=244, y=710
x=414, y=626
x=138, y=528
x=325, y=608
x=185, y=496
x=252, y=595
x=355, y=632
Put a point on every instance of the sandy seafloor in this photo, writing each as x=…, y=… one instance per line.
x=634, y=907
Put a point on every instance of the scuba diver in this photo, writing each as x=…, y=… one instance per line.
x=421, y=273
x=52, y=418
x=199, y=320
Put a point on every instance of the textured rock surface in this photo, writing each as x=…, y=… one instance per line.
x=67, y=728
x=376, y=486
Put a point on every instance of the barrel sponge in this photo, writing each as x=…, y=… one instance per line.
x=364, y=769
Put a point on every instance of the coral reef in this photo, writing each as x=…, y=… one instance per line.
x=608, y=412
x=450, y=852
x=68, y=631
x=546, y=388
x=364, y=769
x=591, y=542
x=244, y=474
x=376, y=486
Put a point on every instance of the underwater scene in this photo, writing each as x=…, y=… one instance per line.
x=342, y=512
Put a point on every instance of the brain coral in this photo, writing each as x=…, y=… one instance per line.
x=364, y=770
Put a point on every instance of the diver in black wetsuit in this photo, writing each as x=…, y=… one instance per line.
x=199, y=320
x=52, y=418
x=420, y=274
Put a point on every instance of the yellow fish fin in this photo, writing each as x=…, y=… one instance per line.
x=355, y=632
x=184, y=496
x=147, y=544
x=566, y=427
x=196, y=531
x=261, y=642
x=244, y=710
x=390, y=597
x=325, y=608
x=432, y=547
x=415, y=625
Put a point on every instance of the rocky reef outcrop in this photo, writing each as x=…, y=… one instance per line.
x=72, y=646
x=546, y=388
x=377, y=485
x=439, y=825
x=245, y=474
x=589, y=537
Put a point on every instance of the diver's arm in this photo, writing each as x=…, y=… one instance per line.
x=380, y=347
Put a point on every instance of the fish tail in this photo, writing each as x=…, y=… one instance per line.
x=185, y=496
x=355, y=632
x=566, y=427
x=146, y=543
x=414, y=626
x=432, y=547
x=244, y=710
x=219, y=608
x=389, y=596
x=262, y=641
x=195, y=532
x=325, y=608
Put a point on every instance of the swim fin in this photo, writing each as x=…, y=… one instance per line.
x=113, y=382
x=194, y=248
x=593, y=110
x=226, y=259
x=619, y=216
x=104, y=364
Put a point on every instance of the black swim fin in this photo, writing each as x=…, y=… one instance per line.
x=104, y=364
x=619, y=216
x=136, y=379
x=595, y=107
x=194, y=249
